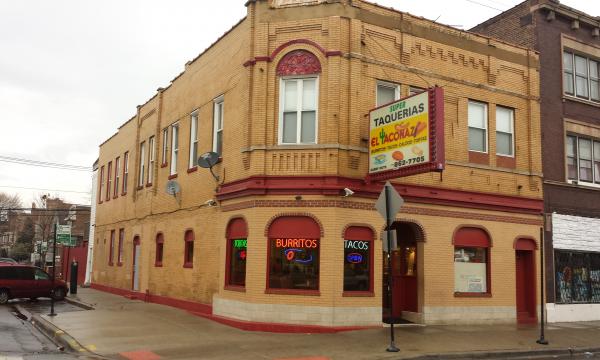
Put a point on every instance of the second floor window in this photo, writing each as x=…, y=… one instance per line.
x=298, y=111
x=108, y=180
x=125, y=171
x=581, y=77
x=100, y=184
x=142, y=163
x=150, y=159
x=477, y=126
x=387, y=92
x=174, y=148
x=193, y=140
x=583, y=159
x=218, y=126
x=504, y=131
x=165, y=142
x=117, y=176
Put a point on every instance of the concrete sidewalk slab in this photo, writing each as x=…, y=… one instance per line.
x=121, y=326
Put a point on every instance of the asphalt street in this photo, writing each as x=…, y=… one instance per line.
x=19, y=340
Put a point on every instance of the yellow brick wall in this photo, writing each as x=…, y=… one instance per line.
x=418, y=53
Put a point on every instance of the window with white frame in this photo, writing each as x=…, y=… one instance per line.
x=117, y=176
x=505, y=131
x=387, y=92
x=150, y=159
x=298, y=121
x=142, y=163
x=193, y=140
x=174, y=148
x=165, y=142
x=125, y=172
x=478, y=126
x=581, y=76
x=218, y=126
x=583, y=159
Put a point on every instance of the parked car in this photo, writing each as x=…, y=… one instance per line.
x=8, y=260
x=25, y=281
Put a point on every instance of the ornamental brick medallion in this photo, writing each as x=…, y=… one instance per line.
x=298, y=62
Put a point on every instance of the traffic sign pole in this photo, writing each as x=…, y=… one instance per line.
x=52, y=313
x=388, y=215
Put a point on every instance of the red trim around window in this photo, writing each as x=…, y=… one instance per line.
x=160, y=243
x=188, y=256
x=192, y=169
x=171, y=177
x=111, y=250
x=292, y=227
x=362, y=233
x=478, y=238
x=236, y=229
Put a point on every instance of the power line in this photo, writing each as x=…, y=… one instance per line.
x=31, y=188
x=484, y=5
x=38, y=163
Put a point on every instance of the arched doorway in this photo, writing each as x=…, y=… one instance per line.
x=525, y=280
x=404, y=272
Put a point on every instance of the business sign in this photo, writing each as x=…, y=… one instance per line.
x=406, y=137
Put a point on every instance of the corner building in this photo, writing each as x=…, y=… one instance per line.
x=283, y=98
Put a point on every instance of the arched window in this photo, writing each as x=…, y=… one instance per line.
x=293, y=254
x=160, y=240
x=471, y=261
x=188, y=251
x=299, y=97
x=358, y=259
x=237, y=238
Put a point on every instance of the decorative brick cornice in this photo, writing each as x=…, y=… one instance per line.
x=408, y=210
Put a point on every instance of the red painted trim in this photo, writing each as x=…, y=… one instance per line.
x=148, y=184
x=171, y=177
x=506, y=162
x=205, y=311
x=282, y=328
x=188, y=265
x=140, y=187
x=333, y=53
x=332, y=185
x=294, y=291
x=295, y=42
x=479, y=158
x=163, y=165
x=192, y=169
x=525, y=243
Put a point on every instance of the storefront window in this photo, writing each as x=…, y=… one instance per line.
x=237, y=252
x=577, y=277
x=358, y=259
x=294, y=264
x=471, y=261
x=237, y=262
x=357, y=265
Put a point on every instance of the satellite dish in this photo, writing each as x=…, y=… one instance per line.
x=208, y=160
x=173, y=187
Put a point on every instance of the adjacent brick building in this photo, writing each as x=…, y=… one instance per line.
x=568, y=42
x=284, y=98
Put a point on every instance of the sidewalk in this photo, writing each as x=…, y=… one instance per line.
x=120, y=328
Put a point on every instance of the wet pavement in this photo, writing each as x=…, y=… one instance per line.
x=42, y=306
x=19, y=340
x=119, y=327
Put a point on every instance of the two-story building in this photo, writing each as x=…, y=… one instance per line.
x=568, y=42
x=273, y=238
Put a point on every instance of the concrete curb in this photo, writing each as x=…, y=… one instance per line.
x=79, y=303
x=507, y=354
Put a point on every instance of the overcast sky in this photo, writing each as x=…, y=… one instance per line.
x=72, y=71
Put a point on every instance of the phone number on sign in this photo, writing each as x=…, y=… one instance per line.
x=416, y=160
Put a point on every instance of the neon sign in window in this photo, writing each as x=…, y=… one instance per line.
x=237, y=261
x=294, y=263
x=357, y=266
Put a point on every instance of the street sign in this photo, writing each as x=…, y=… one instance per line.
x=63, y=235
x=396, y=202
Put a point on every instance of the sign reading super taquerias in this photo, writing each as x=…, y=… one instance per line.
x=407, y=136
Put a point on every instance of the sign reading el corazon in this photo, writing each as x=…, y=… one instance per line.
x=407, y=136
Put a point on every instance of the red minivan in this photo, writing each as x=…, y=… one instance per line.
x=24, y=281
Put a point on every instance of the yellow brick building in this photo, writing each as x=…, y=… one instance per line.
x=284, y=99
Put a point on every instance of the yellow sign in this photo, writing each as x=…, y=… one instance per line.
x=399, y=134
